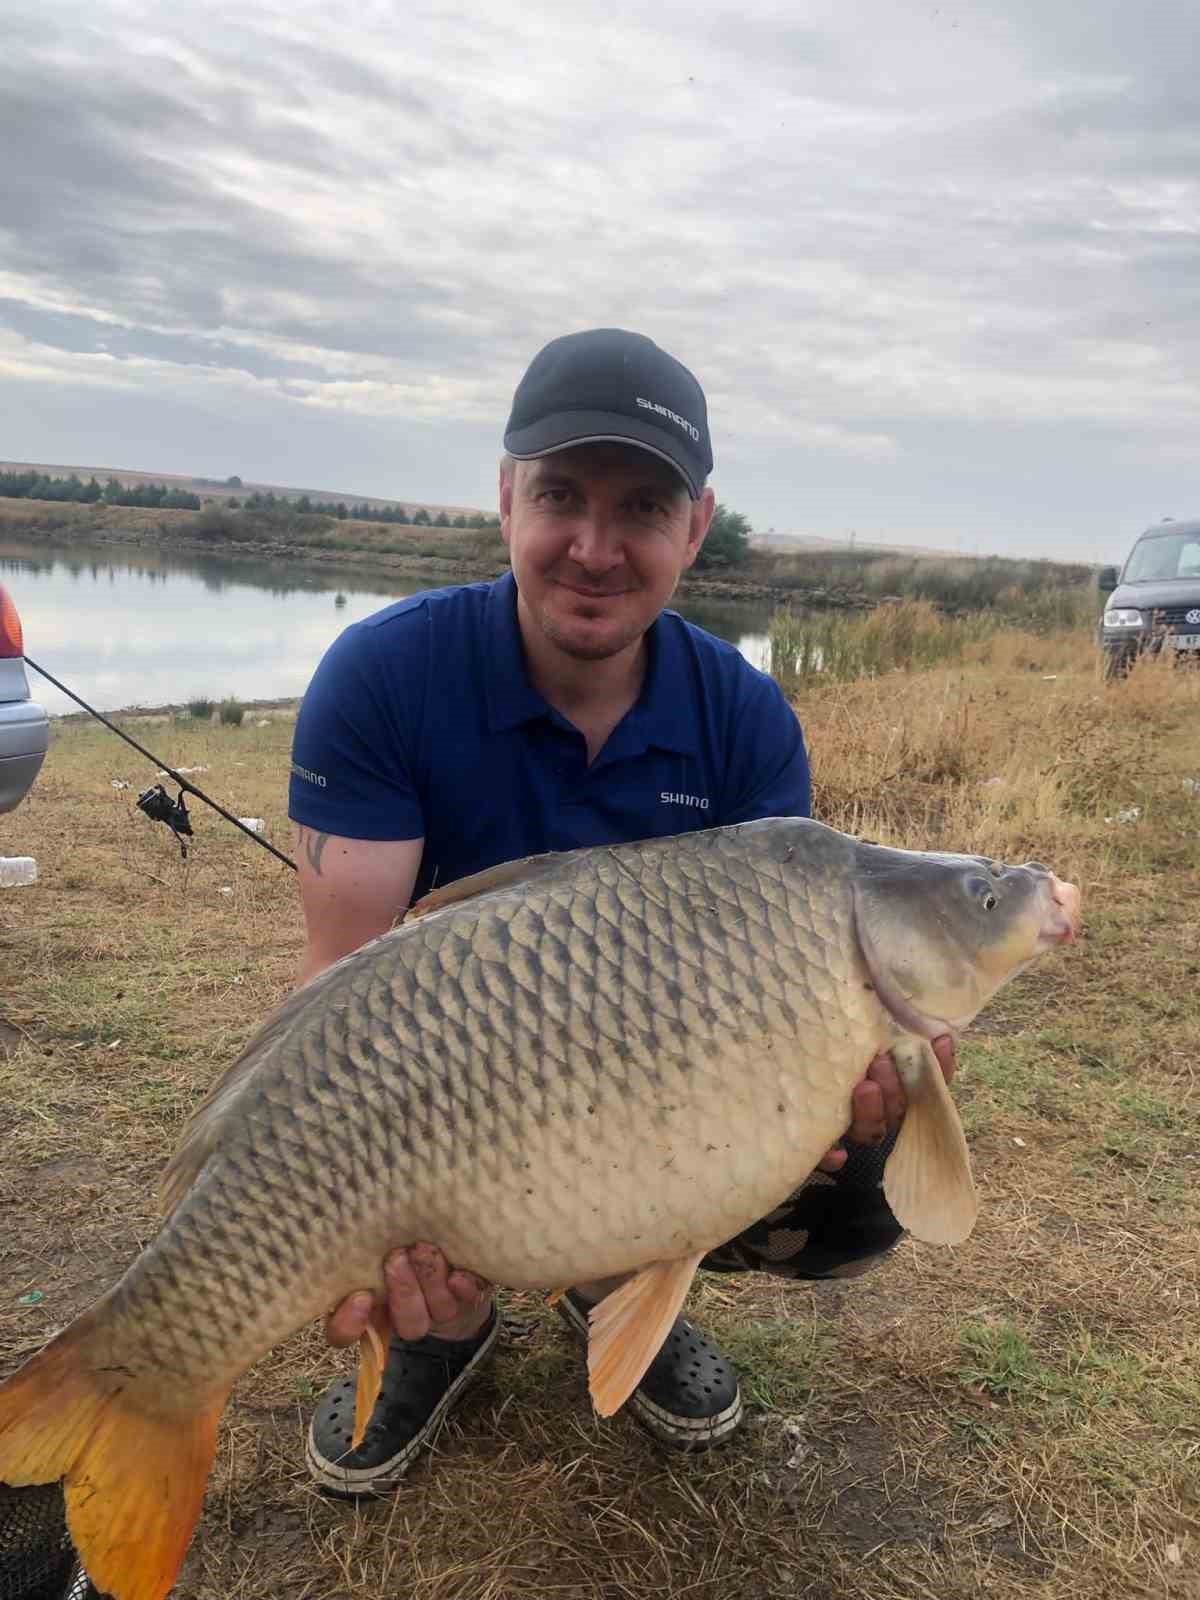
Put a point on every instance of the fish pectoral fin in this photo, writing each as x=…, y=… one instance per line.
x=372, y=1355
x=927, y=1180
x=629, y=1327
x=132, y=1469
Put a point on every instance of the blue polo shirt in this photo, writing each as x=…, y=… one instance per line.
x=421, y=721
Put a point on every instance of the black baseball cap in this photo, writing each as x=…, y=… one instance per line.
x=610, y=386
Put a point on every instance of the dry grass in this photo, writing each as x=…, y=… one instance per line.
x=1017, y=1417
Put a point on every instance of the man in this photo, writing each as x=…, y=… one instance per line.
x=557, y=707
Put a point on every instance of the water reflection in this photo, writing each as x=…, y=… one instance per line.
x=129, y=627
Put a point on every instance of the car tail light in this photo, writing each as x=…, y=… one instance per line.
x=11, y=642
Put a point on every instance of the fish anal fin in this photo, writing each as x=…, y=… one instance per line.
x=629, y=1326
x=504, y=876
x=372, y=1356
x=133, y=1477
x=927, y=1181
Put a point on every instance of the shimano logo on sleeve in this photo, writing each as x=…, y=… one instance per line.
x=309, y=777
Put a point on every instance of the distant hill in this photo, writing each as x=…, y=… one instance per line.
x=814, y=541
x=221, y=488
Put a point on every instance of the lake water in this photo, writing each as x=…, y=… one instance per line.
x=130, y=627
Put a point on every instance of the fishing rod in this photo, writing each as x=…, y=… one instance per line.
x=156, y=802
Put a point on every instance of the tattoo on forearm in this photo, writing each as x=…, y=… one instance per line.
x=314, y=844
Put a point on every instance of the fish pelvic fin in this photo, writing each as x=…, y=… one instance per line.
x=629, y=1327
x=372, y=1357
x=133, y=1478
x=927, y=1180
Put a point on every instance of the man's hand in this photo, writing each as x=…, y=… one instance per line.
x=879, y=1102
x=424, y=1296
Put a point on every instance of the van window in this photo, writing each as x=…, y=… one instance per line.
x=1166, y=556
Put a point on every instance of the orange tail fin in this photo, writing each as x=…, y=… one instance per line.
x=133, y=1476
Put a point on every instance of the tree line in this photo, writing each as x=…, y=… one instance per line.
x=40, y=486
x=727, y=545
x=360, y=511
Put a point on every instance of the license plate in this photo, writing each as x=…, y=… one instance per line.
x=1185, y=641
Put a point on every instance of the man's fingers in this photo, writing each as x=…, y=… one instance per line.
x=407, y=1306
x=943, y=1049
x=345, y=1323
x=882, y=1072
x=869, y=1119
x=468, y=1290
x=433, y=1274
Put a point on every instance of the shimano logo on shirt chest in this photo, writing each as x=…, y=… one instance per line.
x=699, y=801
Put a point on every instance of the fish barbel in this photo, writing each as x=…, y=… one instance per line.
x=570, y=1067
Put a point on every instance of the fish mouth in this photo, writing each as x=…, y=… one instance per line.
x=1060, y=923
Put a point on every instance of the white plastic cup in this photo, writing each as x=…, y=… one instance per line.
x=16, y=870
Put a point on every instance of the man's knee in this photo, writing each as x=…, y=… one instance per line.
x=836, y=1225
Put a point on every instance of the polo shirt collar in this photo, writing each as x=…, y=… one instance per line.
x=658, y=718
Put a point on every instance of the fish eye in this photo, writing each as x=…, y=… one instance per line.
x=997, y=869
x=980, y=889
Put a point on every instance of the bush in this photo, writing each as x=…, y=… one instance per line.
x=232, y=712
x=201, y=708
x=728, y=541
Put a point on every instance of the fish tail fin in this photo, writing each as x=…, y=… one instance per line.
x=133, y=1476
x=927, y=1180
x=629, y=1326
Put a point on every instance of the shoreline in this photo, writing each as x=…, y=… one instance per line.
x=166, y=531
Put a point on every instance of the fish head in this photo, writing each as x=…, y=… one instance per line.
x=941, y=933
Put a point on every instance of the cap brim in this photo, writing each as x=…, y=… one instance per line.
x=570, y=428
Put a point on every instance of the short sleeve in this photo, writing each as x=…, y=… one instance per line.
x=351, y=762
x=767, y=771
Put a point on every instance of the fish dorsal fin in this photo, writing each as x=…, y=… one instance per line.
x=927, y=1180
x=629, y=1327
x=504, y=876
x=202, y=1130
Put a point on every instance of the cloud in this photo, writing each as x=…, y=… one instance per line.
x=875, y=234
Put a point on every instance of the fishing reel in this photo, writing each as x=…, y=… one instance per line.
x=157, y=804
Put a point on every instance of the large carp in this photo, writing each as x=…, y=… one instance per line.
x=570, y=1067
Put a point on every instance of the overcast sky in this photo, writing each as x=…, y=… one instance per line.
x=935, y=264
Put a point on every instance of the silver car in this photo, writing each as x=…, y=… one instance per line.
x=24, y=731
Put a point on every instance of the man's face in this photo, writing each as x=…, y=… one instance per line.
x=598, y=537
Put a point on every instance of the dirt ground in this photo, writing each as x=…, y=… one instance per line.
x=1014, y=1417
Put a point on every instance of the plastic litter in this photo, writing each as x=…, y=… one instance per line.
x=119, y=783
x=255, y=824
x=185, y=772
x=1126, y=814
x=225, y=888
x=17, y=870
x=1191, y=786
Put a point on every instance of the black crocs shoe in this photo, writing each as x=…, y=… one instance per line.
x=422, y=1379
x=689, y=1397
